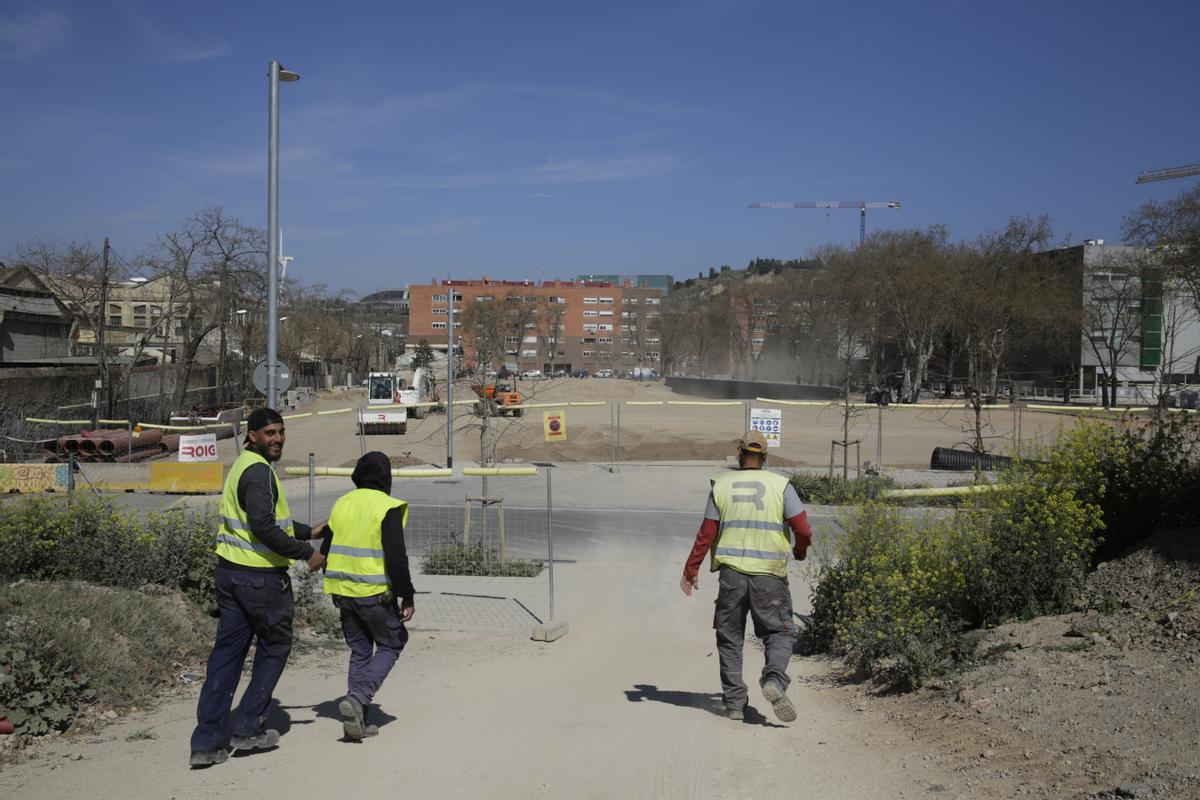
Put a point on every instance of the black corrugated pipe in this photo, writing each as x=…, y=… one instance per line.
x=950, y=459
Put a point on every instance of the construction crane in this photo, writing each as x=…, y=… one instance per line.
x=861, y=205
x=1170, y=173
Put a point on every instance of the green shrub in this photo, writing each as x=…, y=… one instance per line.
x=823, y=490
x=455, y=558
x=65, y=644
x=898, y=592
x=93, y=540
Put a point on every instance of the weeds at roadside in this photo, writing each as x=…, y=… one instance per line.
x=476, y=559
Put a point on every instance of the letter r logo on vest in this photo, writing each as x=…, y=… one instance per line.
x=758, y=492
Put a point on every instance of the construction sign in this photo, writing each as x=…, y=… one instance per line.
x=198, y=448
x=768, y=422
x=554, y=423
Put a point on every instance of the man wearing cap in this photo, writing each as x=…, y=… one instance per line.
x=367, y=575
x=256, y=541
x=745, y=530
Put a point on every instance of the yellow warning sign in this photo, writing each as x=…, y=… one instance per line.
x=554, y=423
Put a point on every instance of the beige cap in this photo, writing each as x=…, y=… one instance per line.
x=753, y=442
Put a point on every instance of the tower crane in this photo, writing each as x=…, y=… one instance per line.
x=861, y=205
x=1170, y=173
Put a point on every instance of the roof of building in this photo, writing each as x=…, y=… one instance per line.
x=25, y=302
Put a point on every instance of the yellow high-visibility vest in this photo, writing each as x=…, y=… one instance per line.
x=235, y=542
x=753, y=537
x=355, y=566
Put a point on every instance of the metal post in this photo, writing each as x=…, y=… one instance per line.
x=618, y=439
x=71, y=474
x=450, y=377
x=879, y=441
x=312, y=481
x=272, y=233
x=550, y=535
x=130, y=422
x=612, y=435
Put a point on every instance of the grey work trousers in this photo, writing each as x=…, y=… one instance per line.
x=769, y=603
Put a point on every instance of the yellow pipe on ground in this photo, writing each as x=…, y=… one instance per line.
x=501, y=472
x=941, y=491
x=346, y=472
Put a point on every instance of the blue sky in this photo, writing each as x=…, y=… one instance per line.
x=548, y=139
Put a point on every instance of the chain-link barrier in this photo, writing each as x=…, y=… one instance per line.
x=478, y=541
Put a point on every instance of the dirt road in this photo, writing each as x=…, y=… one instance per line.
x=626, y=705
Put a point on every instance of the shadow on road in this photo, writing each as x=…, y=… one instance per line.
x=375, y=715
x=705, y=701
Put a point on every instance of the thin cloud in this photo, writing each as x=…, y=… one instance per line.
x=22, y=37
x=438, y=227
x=593, y=170
x=172, y=49
x=304, y=162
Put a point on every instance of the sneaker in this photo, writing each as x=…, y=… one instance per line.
x=370, y=730
x=207, y=758
x=260, y=741
x=735, y=713
x=774, y=692
x=353, y=725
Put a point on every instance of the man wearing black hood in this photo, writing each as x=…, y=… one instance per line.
x=367, y=575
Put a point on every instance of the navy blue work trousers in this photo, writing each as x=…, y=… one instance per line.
x=253, y=606
x=376, y=635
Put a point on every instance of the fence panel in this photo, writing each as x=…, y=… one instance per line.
x=589, y=433
x=477, y=545
x=680, y=430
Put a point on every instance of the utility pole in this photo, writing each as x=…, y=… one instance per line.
x=450, y=377
x=101, y=353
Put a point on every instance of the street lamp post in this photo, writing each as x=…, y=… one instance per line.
x=276, y=74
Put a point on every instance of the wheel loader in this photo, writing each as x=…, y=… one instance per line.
x=502, y=400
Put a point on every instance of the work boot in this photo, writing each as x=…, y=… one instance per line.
x=259, y=741
x=207, y=758
x=353, y=725
x=777, y=696
x=735, y=713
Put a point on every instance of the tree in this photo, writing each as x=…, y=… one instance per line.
x=423, y=356
x=1112, y=314
x=1171, y=228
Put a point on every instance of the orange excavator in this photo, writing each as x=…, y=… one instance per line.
x=501, y=399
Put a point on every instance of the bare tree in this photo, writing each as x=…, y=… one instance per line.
x=1112, y=314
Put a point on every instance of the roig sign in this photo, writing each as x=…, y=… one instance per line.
x=198, y=448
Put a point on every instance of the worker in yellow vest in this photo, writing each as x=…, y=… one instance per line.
x=745, y=531
x=256, y=541
x=367, y=575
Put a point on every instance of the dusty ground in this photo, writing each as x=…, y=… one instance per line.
x=1104, y=702
x=654, y=433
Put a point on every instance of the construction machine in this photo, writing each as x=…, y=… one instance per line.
x=501, y=399
x=382, y=390
x=414, y=388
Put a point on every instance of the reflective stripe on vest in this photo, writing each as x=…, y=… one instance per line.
x=753, y=537
x=235, y=542
x=355, y=567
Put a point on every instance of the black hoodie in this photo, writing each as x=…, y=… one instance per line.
x=374, y=471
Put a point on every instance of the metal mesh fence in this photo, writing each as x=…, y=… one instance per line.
x=680, y=430
x=477, y=546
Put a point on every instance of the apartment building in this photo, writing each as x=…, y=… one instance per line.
x=552, y=325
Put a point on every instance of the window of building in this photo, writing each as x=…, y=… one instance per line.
x=604, y=340
x=591, y=313
x=458, y=297
x=530, y=339
x=589, y=301
x=140, y=320
x=457, y=324
x=439, y=298
x=529, y=353
x=589, y=340
x=115, y=314
x=438, y=325
x=484, y=298
x=589, y=353
x=592, y=328
x=652, y=301
x=652, y=354
x=605, y=354
x=604, y=327
x=441, y=311
x=606, y=301
x=606, y=313
x=652, y=341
